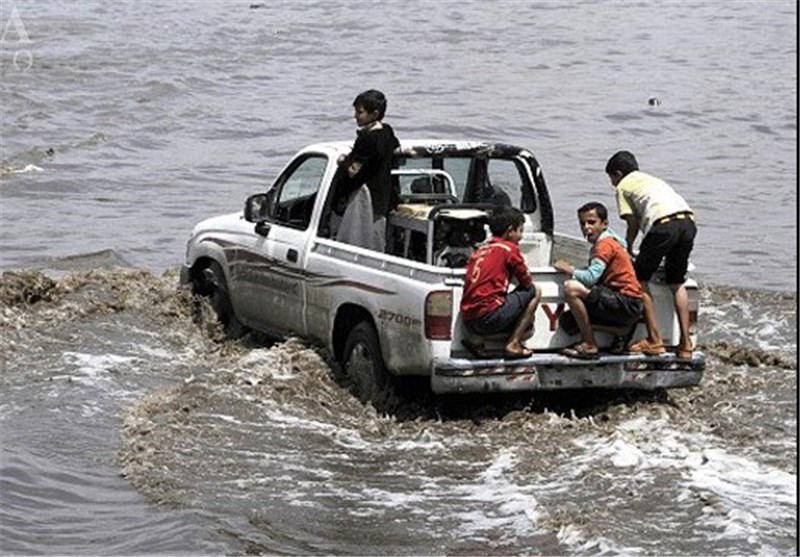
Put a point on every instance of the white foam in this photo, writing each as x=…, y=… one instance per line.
x=491, y=504
x=499, y=504
x=749, y=324
x=260, y=364
x=620, y=452
x=344, y=437
x=159, y=353
x=747, y=499
x=226, y=418
x=744, y=499
x=577, y=540
x=27, y=168
x=350, y=439
x=97, y=364
x=391, y=499
x=426, y=441
x=95, y=370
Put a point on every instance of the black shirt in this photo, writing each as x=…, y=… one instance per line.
x=374, y=150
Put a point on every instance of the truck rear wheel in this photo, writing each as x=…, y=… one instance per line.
x=363, y=365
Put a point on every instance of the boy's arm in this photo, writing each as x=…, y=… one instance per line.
x=632, y=231
x=627, y=212
x=520, y=269
x=588, y=276
x=364, y=149
x=353, y=168
x=592, y=274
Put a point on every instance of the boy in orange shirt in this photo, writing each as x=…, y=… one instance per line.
x=606, y=291
x=486, y=306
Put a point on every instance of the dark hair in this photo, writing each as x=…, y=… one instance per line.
x=503, y=217
x=596, y=206
x=622, y=161
x=372, y=100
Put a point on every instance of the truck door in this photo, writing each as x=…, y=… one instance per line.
x=270, y=274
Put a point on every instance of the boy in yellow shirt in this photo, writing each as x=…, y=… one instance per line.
x=667, y=224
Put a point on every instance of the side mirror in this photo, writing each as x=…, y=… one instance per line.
x=258, y=207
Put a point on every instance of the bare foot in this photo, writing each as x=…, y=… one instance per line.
x=521, y=353
x=516, y=350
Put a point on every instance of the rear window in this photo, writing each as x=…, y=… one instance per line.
x=506, y=176
x=458, y=168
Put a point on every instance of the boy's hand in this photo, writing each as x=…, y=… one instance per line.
x=354, y=168
x=563, y=267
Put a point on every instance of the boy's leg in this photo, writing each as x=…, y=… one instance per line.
x=575, y=293
x=681, y=298
x=653, y=334
x=524, y=322
x=652, y=250
x=675, y=265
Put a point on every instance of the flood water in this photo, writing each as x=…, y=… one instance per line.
x=128, y=426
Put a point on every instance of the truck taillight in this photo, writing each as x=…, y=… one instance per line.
x=438, y=315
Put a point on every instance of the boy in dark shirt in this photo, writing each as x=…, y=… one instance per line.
x=368, y=164
x=486, y=306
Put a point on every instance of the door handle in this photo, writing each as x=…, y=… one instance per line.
x=291, y=255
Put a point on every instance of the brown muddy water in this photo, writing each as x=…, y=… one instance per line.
x=111, y=378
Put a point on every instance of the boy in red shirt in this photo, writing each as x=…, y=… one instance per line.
x=487, y=307
x=606, y=292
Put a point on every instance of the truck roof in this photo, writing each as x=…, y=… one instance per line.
x=438, y=147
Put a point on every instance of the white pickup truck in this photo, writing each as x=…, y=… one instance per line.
x=385, y=315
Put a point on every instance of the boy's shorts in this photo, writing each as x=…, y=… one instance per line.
x=504, y=318
x=609, y=307
x=605, y=307
x=671, y=241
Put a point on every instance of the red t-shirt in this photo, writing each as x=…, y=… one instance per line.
x=619, y=274
x=489, y=271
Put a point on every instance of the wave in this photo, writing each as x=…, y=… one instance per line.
x=32, y=160
x=267, y=431
x=737, y=326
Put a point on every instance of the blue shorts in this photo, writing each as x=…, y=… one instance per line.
x=504, y=318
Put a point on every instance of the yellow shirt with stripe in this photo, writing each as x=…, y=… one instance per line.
x=647, y=198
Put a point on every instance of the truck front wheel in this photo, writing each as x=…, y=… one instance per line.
x=215, y=287
x=364, y=368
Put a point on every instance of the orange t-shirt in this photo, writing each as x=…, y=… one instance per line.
x=619, y=274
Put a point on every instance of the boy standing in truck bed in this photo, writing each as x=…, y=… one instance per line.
x=486, y=306
x=365, y=189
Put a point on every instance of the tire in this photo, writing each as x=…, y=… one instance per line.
x=215, y=287
x=364, y=367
